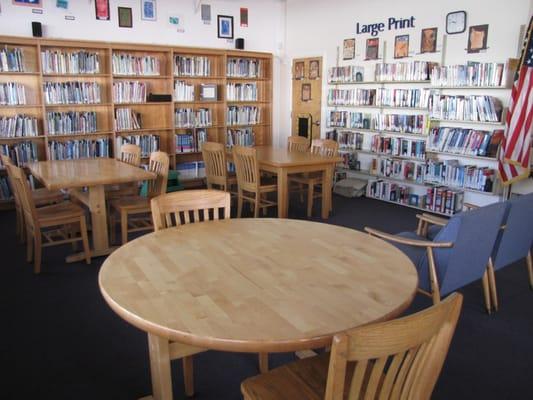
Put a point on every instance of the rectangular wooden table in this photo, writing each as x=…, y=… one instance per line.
x=93, y=174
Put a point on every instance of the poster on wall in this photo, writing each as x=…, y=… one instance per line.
x=244, y=17
x=148, y=10
x=348, y=49
x=62, y=4
x=206, y=13
x=125, y=19
x=401, y=46
x=28, y=3
x=299, y=70
x=306, y=92
x=477, y=38
x=225, y=26
x=372, y=48
x=428, y=40
x=102, y=10
x=314, y=69
x=177, y=22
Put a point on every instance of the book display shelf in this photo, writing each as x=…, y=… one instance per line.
x=424, y=134
x=63, y=99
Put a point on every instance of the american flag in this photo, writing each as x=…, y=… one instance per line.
x=514, y=161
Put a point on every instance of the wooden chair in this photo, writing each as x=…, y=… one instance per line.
x=216, y=166
x=67, y=215
x=298, y=143
x=129, y=154
x=139, y=206
x=41, y=197
x=399, y=359
x=323, y=147
x=250, y=187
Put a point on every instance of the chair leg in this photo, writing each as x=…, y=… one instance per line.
x=29, y=246
x=85, y=240
x=492, y=285
x=486, y=294
x=188, y=376
x=38, y=251
x=124, y=226
x=310, y=189
x=239, y=204
x=257, y=203
x=529, y=261
x=71, y=231
x=263, y=362
x=112, y=227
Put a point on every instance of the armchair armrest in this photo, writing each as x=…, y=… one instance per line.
x=407, y=241
x=432, y=219
x=470, y=206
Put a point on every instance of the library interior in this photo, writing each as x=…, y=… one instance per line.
x=266, y=199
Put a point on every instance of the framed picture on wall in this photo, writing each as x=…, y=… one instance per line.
x=477, y=38
x=299, y=67
x=428, y=40
x=125, y=19
x=314, y=69
x=29, y=3
x=348, y=49
x=372, y=49
x=401, y=46
x=148, y=10
x=306, y=92
x=102, y=10
x=225, y=26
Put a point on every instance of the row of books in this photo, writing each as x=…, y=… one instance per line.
x=78, y=62
x=19, y=125
x=72, y=92
x=20, y=153
x=391, y=191
x=12, y=94
x=345, y=119
x=127, y=119
x=190, y=118
x=243, y=68
x=416, y=98
x=401, y=169
x=346, y=74
x=243, y=115
x=399, y=147
x=5, y=189
x=191, y=170
x=11, y=60
x=348, y=140
x=128, y=64
x=241, y=91
x=129, y=92
x=465, y=108
x=240, y=137
x=71, y=122
x=444, y=200
x=465, y=141
x=470, y=74
x=402, y=123
x=404, y=71
x=183, y=91
x=190, y=142
x=147, y=143
x=452, y=173
x=352, y=97
x=192, y=66
x=74, y=149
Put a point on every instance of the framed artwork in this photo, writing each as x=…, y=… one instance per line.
x=124, y=17
x=372, y=49
x=299, y=67
x=244, y=17
x=348, y=49
x=306, y=92
x=206, y=13
x=477, y=38
x=62, y=4
x=314, y=69
x=148, y=10
x=208, y=92
x=428, y=40
x=102, y=10
x=225, y=26
x=29, y=3
x=401, y=46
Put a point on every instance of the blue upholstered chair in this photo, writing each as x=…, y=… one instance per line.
x=457, y=255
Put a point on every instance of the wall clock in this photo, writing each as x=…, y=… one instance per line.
x=456, y=22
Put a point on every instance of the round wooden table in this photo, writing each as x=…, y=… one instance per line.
x=255, y=285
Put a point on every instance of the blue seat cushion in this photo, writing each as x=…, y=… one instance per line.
x=433, y=230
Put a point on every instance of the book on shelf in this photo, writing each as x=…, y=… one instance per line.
x=351, y=120
x=352, y=97
x=129, y=92
x=348, y=140
x=401, y=169
x=404, y=71
x=396, y=146
x=243, y=68
x=444, y=200
x=465, y=108
x=346, y=74
x=389, y=191
x=183, y=91
x=412, y=98
x=471, y=74
x=5, y=189
x=77, y=62
x=191, y=118
x=240, y=137
x=12, y=60
x=12, y=94
x=71, y=122
x=241, y=91
x=127, y=119
x=401, y=123
x=469, y=142
x=19, y=125
x=191, y=170
x=20, y=153
x=243, y=115
x=129, y=64
x=75, y=92
x=147, y=143
x=452, y=173
x=192, y=66
x=75, y=149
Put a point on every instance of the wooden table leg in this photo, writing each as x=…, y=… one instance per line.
x=263, y=362
x=98, y=217
x=160, y=367
x=327, y=179
x=283, y=193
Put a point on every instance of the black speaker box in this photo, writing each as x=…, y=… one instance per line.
x=159, y=98
x=37, y=29
x=239, y=44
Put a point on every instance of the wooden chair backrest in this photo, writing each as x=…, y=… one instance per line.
x=399, y=359
x=176, y=208
x=325, y=147
x=216, y=169
x=22, y=191
x=298, y=143
x=130, y=154
x=247, y=168
x=7, y=161
x=158, y=164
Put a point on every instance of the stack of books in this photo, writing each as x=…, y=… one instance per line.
x=61, y=123
x=452, y=173
x=191, y=141
x=20, y=153
x=444, y=200
x=345, y=119
x=78, y=62
x=126, y=119
x=183, y=91
x=19, y=125
x=244, y=115
x=11, y=60
x=351, y=97
x=401, y=169
x=404, y=71
x=347, y=74
x=192, y=66
x=190, y=118
x=243, y=68
x=147, y=143
x=470, y=142
x=348, y=140
x=465, y=108
x=471, y=74
x=128, y=64
x=129, y=92
x=191, y=170
x=240, y=137
x=241, y=92
x=399, y=146
x=12, y=94
x=71, y=92
x=414, y=98
x=75, y=149
x=389, y=191
x=414, y=124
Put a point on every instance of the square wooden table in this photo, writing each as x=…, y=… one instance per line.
x=93, y=174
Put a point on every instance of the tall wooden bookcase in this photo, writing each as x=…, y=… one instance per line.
x=157, y=117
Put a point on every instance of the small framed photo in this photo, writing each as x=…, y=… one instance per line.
x=299, y=67
x=401, y=46
x=306, y=92
x=348, y=49
x=125, y=19
x=208, y=92
x=102, y=10
x=148, y=10
x=225, y=26
x=477, y=38
x=29, y=3
x=372, y=49
x=314, y=69
x=428, y=40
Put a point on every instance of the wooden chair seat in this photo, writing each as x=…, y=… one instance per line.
x=131, y=203
x=43, y=196
x=58, y=214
